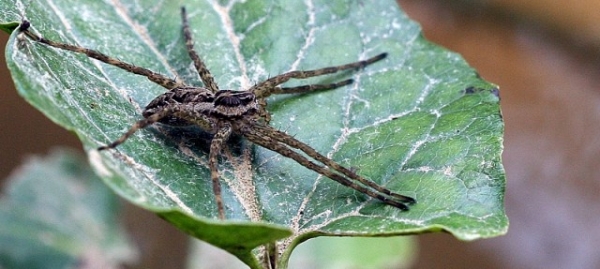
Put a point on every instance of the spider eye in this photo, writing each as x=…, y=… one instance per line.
x=232, y=103
x=233, y=99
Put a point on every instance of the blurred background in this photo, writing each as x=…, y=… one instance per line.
x=544, y=55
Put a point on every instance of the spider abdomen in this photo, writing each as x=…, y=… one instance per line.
x=196, y=98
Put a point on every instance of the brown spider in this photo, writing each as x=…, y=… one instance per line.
x=225, y=112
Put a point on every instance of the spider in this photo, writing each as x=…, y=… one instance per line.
x=224, y=113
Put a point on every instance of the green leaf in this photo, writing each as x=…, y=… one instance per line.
x=9, y=27
x=56, y=213
x=421, y=122
x=355, y=252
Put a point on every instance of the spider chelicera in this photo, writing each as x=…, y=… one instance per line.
x=223, y=113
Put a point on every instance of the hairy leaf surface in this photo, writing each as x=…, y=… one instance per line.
x=421, y=122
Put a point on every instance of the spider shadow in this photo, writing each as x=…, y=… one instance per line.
x=195, y=138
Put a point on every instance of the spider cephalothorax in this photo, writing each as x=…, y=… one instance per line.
x=225, y=112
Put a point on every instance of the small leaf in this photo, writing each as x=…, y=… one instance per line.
x=56, y=213
x=9, y=27
x=421, y=122
x=355, y=252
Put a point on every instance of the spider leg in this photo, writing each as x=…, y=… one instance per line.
x=205, y=75
x=138, y=125
x=215, y=149
x=263, y=89
x=309, y=88
x=151, y=75
x=264, y=140
x=294, y=143
x=299, y=89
